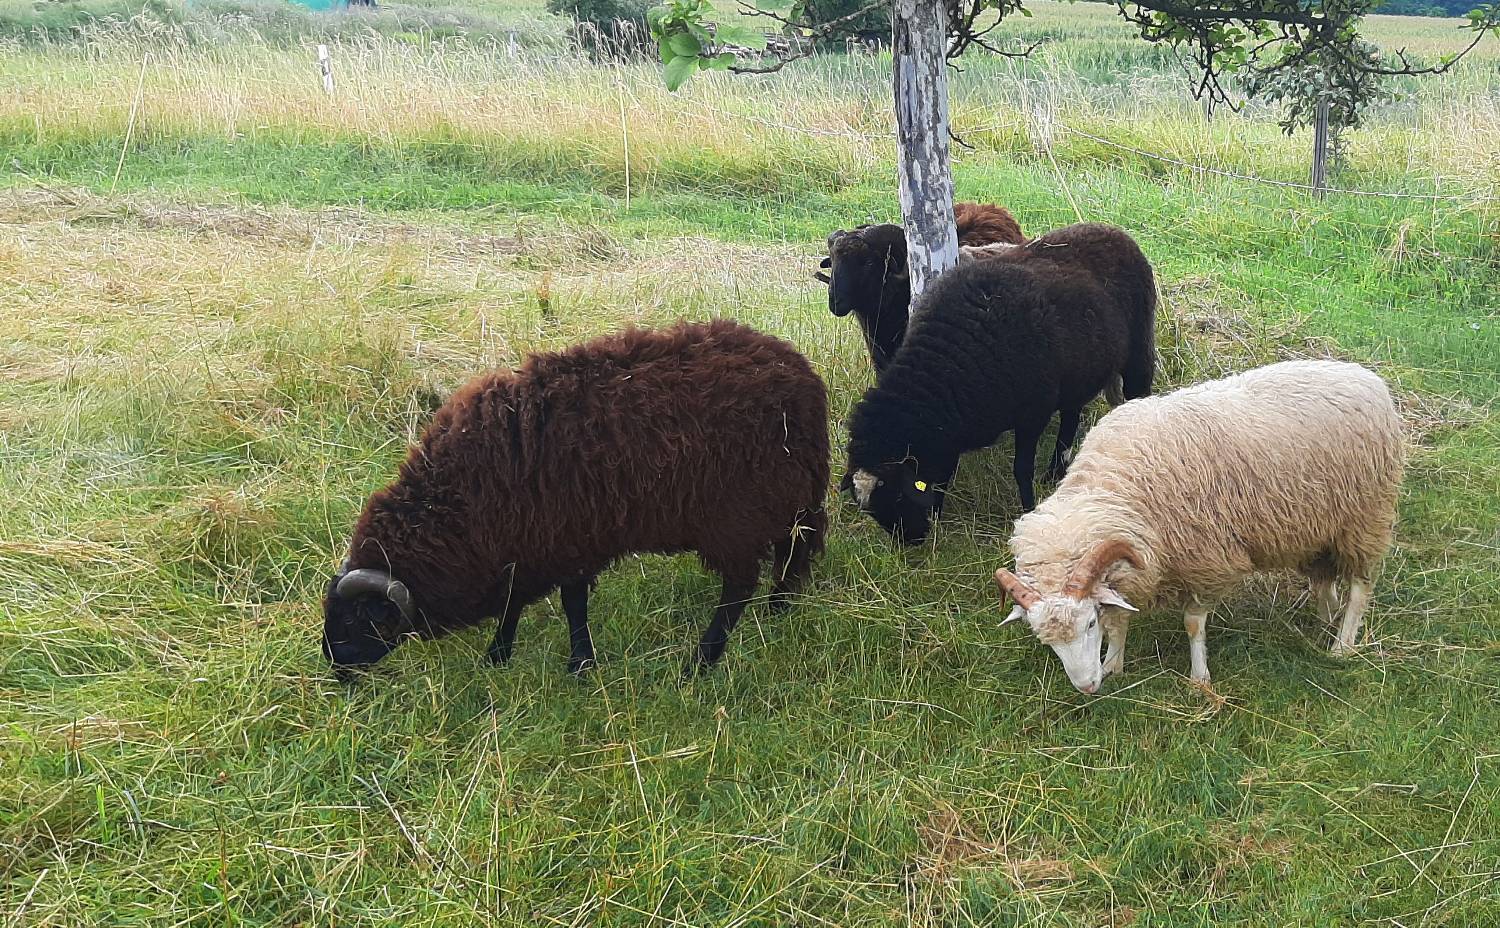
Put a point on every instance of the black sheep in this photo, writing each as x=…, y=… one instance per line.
x=1000, y=345
x=868, y=276
x=705, y=437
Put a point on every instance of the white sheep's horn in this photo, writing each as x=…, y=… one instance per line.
x=1101, y=557
x=366, y=580
x=1024, y=594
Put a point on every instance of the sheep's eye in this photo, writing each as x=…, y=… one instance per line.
x=1093, y=623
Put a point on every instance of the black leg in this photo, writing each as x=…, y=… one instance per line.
x=505, y=634
x=575, y=600
x=1025, y=467
x=939, y=496
x=1140, y=370
x=732, y=602
x=1067, y=431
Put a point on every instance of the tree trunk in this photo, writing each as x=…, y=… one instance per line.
x=919, y=43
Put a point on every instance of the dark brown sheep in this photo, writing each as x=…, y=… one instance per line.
x=706, y=437
x=867, y=272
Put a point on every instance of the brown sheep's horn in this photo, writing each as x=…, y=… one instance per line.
x=1022, y=592
x=380, y=583
x=1091, y=567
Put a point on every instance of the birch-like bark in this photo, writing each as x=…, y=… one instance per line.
x=919, y=42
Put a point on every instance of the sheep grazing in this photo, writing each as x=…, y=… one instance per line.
x=705, y=437
x=867, y=273
x=1174, y=500
x=1001, y=345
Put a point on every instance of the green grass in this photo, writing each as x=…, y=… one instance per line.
x=207, y=365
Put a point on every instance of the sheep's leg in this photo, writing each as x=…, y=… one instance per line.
x=1327, y=592
x=1140, y=368
x=505, y=634
x=732, y=601
x=575, y=601
x=1354, y=614
x=1062, y=454
x=1196, y=623
x=1116, y=627
x=1024, y=467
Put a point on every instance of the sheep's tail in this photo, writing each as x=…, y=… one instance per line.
x=795, y=553
x=1140, y=366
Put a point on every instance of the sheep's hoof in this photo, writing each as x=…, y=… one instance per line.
x=498, y=656
x=1342, y=649
x=780, y=602
x=579, y=665
x=1111, y=668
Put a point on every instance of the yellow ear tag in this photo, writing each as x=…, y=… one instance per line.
x=921, y=486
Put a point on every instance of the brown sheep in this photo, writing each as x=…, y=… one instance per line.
x=706, y=437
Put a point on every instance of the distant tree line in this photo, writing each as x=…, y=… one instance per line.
x=1426, y=7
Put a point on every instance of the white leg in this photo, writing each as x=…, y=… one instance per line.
x=1354, y=614
x=1327, y=593
x=1116, y=627
x=1196, y=623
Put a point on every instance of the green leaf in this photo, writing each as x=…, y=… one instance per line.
x=737, y=34
x=678, y=70
x=685, y=45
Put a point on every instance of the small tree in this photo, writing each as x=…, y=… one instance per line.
x=607, y=27
x=1257, y=37
x=866, y=23
x=1302, y=87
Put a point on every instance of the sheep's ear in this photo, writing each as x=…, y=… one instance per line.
x=826, y=262
x=1108, y=597
x=846, y=484
x=820, y=276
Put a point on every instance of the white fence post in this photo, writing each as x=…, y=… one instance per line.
x=325, y=66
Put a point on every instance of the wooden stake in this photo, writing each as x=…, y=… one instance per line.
x=1319, y=177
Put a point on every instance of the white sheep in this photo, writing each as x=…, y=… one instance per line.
x=1173, y=500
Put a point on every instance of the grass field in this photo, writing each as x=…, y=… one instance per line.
x=228, y=301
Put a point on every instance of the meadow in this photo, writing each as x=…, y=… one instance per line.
x=229, y=300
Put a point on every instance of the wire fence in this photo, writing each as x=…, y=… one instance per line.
x=1052, y=124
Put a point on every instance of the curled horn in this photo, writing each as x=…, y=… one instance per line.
x=834, y=238
x=1091, y=567
x=380, y=583
x=1022, y=592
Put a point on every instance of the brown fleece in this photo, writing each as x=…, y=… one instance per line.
x=707, y=437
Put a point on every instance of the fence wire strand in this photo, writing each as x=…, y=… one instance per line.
x=859, y=136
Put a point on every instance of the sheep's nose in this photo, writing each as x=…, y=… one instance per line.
x=1090, y=688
